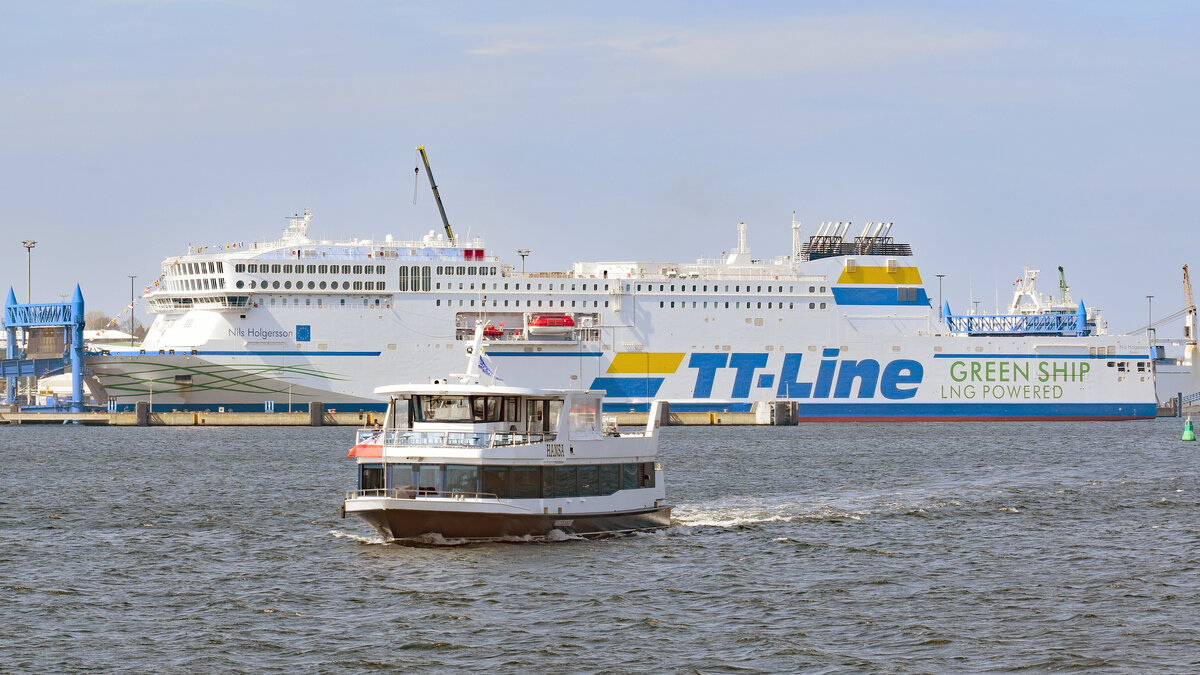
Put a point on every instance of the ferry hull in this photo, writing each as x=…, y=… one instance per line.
x=396, y=523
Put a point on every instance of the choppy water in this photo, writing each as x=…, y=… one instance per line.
x=833, y=548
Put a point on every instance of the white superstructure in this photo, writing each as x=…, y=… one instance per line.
x=843, y=327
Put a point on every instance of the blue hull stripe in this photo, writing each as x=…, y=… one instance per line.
x=843, y=295
x=201, y=352
x=491, y=352
x=628, y=387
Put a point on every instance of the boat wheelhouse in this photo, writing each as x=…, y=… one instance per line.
x=475, y=460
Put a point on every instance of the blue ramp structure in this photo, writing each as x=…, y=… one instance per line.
x=51, y=338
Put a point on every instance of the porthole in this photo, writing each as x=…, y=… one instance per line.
x=240, y=284
x=274, y=284
x=287, y=284
x=322, y=285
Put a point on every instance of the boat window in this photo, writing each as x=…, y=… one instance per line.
x=440, y=409
x=239, y=268
x=311, y=269
x=536, y=413
x=287, y=269
x=415, y=278
x=425, y=278
x=370, y=477
x=647, y=478
x=400, y=476
x=220, y=266
x=277, y=269
x=379, y=286
x=485, y=408
x=429, y=478
x=812, y=305
x=526, y=482
x=556, y=406
x=274, y=284
x=322, y=285
x=358, y=269
x=369, y=269
x=629, y=476
x=584, y=418
x=240, y=283
x=495, y=481
x=610, y=478
x=322, y=269
x=287, y=284
x=358, y=285
x=565, y=484
x=589, y=480
x=462, y=478
x=461, y=269
x=512, y=407
x=822, y=305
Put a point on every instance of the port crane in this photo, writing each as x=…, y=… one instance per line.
x=437, y=197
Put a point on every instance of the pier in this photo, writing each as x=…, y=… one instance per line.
x=144, y=418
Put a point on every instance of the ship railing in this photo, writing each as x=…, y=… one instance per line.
x=410, y=492
x=453, y=439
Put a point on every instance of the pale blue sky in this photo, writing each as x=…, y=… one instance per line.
x=993, y=135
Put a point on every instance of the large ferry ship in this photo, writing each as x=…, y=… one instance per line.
x=842, y=328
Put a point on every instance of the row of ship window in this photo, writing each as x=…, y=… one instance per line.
x=508, y=482
x=716, y=288
x=215, y=267
x=319, y=302
x=312, y=285
x=738, y=305
x=276, y=268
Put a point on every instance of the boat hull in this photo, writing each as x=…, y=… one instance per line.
x=399, y=523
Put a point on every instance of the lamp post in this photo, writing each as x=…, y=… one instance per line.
x=522, y=252
x=1149, y=316
x=28, y=244
x=940, y=317
x=131, y=278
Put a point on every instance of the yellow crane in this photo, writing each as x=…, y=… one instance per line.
x=436, y=196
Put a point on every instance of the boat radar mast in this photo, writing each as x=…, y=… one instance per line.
x=436, y=196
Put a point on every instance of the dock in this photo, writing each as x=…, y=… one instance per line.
x=196, y=419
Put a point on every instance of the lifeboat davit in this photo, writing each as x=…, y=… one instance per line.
x=551, y=324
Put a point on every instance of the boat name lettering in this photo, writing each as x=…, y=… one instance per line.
x=554, y=449
x=259, y=333
x=1016, y=371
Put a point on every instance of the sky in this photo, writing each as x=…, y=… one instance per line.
x=994, y=135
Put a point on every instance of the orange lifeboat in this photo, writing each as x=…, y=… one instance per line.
x=551, y=324
x=491, y=331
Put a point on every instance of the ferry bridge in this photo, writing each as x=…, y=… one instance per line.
x=51, y=339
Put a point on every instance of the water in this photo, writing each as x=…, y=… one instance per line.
x=829, y=548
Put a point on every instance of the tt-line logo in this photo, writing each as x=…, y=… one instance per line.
x=897, y=380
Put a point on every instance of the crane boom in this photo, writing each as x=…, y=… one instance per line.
x=1189, y=321
x=436, y=196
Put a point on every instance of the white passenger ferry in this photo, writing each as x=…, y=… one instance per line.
x=842, y=328
x=467, y=458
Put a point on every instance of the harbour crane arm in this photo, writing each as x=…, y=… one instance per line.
x=1062, y=285
x=1189, y=323
x=436, y=196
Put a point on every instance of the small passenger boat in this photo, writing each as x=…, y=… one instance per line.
x=469, y=459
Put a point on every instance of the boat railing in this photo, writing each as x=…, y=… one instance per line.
x=409, y=492
x=454, y=439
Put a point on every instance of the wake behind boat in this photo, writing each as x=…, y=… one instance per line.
x=465, y=459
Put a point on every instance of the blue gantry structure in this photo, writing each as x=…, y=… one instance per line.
x=44, y=328
x=1074, y=324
